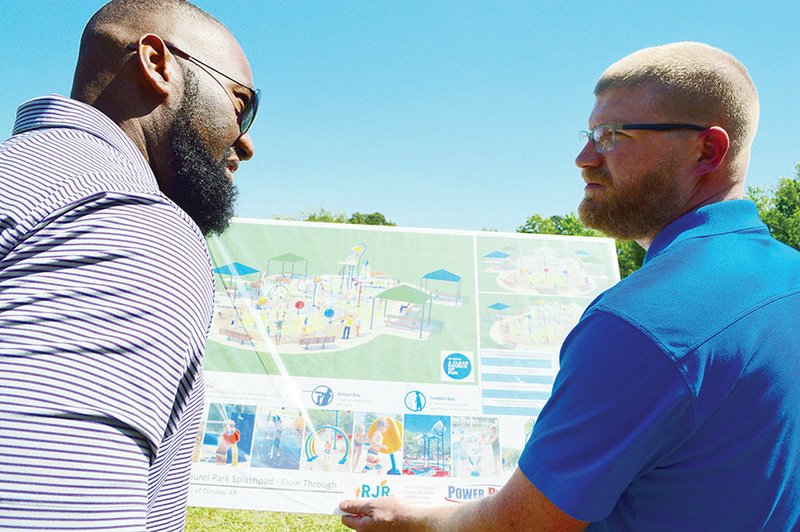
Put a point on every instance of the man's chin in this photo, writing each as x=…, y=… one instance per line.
x=593, y=215
x=213, y=220
x=211, y=204
x=216, y=225
x=587, y=211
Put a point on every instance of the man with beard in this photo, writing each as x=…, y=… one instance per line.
x=105, y=281
x=676, y=406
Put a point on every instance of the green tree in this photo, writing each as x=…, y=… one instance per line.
x=556, y=225
x=326, y=216
x=374, y=218
x=629, y=254
x=780, y=209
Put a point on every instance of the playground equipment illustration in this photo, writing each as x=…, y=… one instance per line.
x=542, y=272
x=476, y=447
x=278, y=439
x=384, y=436
x=545, y=324
x=432, y=282
x=335, y=445
x=228, y=440
x=327, y=445
x=228, y=434
x=434, y=451
x=301, y=311
x=472, y=447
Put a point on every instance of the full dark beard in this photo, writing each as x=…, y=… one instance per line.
x=638, y=209
x=200, y=183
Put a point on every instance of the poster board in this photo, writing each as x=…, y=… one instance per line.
x=355, y=361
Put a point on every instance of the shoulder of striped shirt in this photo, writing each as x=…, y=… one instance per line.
x=101, y=174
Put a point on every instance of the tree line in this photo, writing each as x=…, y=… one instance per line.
x=322, y=215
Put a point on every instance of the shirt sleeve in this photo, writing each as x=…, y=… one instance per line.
x=104, y=311
x=618, y=407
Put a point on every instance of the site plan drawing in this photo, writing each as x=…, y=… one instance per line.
x=357, y=361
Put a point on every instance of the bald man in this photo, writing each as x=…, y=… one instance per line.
x=106, y=288
x=677, y=405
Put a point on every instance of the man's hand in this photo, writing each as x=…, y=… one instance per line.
x=387, y=513
x=519, y=505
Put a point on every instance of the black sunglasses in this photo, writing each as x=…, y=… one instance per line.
x=244, y=118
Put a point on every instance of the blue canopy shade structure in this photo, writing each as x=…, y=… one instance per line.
x=443, y=275
x=496, y=255
x=235, y=268
x=496, y=310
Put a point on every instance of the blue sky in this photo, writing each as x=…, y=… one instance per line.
x=451, y=114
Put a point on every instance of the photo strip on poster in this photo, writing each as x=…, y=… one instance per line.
x=357, y=361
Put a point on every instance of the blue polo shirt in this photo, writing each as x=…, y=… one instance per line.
x=677, y=406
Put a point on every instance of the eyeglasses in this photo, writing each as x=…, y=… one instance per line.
x=602, y=136
x=247, y=115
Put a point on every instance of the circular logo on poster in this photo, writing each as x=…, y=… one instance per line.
x=457, y=366
x=322, y=395
x=415, y=400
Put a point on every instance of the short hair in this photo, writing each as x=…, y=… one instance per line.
x=128, y=11
x=700, y=83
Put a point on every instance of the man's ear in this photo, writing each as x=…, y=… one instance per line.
x=714, y=146
x=156, y=64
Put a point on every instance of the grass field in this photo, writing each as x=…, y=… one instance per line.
x=202, y=519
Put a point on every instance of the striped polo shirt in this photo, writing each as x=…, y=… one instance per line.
x=105, y=301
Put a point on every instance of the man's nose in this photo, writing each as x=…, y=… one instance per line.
x=245, y=149
x=588, y=157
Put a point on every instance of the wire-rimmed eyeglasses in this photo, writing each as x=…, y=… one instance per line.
x=602, y=136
